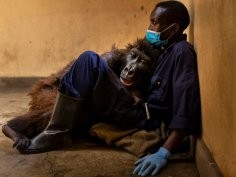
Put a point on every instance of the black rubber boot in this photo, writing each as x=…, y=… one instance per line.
x=57, y=134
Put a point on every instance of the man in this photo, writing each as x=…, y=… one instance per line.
x=172, y=96
x=177, y=73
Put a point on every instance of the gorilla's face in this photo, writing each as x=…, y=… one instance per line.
x=138, y=68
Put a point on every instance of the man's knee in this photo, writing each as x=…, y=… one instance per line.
x=92, y=60
x=88, y=54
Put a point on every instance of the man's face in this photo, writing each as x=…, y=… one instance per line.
x=158, y=22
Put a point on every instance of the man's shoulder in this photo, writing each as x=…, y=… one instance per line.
x=183, y=45
x=183, y=48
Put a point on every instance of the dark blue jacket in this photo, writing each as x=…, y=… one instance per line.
x=173, y=96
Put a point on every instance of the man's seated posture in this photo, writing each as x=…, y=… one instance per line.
x=90, y=92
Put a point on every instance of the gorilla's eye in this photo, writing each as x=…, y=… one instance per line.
x=133, y=54
x=142, y=61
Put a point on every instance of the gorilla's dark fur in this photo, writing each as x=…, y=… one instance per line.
x=43, y=92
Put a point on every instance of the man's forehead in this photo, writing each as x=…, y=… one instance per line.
x=158, y=14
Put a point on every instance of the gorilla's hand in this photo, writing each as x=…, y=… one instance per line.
x=21, y=142
x=138, y=97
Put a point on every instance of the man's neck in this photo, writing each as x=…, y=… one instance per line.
x=175, y=39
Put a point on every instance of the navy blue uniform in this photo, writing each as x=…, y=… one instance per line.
x=172, y=97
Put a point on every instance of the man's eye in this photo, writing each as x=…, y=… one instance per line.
x=153, y=22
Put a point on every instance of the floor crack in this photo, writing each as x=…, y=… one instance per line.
x=51, y=166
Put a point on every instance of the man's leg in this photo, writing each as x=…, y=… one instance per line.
x=69, y=106
x=92, y=80
x=80, y=80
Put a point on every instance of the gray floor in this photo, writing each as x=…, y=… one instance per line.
x=84, y=159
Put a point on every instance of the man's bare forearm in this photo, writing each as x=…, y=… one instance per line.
x=174, y=139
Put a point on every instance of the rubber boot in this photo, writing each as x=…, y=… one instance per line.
x=57, y=134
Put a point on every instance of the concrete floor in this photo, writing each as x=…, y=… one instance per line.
x=84, y=159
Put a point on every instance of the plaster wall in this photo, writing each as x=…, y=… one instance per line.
x=214, y=41
x=40, y=36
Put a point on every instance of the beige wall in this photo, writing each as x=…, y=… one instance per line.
x=40, y=36
x=214, y=40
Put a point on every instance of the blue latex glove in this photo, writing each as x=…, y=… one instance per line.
x=151, y=164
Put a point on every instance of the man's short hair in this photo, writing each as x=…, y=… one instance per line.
x=175, y=12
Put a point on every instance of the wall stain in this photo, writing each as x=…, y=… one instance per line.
x=142, y=8
x=9, y=56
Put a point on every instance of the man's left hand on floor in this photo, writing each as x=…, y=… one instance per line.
x=151, y=164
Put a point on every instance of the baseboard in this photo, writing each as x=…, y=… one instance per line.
x=206, y=164
x=18, y=81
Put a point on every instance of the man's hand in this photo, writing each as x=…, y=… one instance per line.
x=151, y=164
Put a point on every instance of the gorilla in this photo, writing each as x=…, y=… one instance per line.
x=134, y=66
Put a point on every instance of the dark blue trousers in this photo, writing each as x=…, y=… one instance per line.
x=91, y=79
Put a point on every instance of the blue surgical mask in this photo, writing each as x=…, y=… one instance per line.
x=153, y=38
